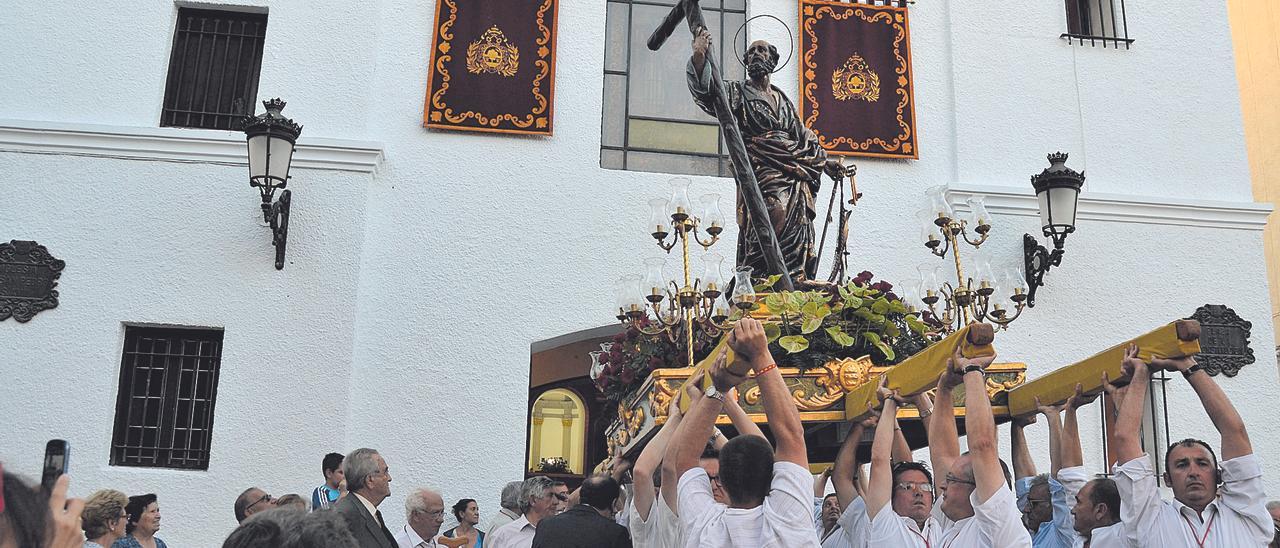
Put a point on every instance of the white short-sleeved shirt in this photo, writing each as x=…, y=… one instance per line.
x=661, y=531
x=851, y=527
x=890, y=529
x=1238, y=517
x=783, y=521
x=996, y=523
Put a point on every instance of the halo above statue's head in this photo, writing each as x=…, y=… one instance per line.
x=790, y=48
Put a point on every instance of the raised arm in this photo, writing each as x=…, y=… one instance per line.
x=901, y=449
x=1235, y=440
x=1129, y=419
x=980, y=425
x=820, y=483
x=844, y=473
x=689, y=440
x=880, y=486
x=1053, y=418
x=1023, y=465
x=924, y=405
x=738, y=416
x=749, y=342
x=944, y=441
x=647, y=463
x=1072, y=453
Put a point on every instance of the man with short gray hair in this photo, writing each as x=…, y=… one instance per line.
x=424, y=510
x=536, y=502
x=368, y=484
x=510, y=508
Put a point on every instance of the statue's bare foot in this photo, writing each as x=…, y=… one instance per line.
x=816, y=285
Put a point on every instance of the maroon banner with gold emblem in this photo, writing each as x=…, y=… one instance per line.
x=855, y=78
x=493, y=66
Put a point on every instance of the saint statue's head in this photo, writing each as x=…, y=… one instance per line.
x=761, y=58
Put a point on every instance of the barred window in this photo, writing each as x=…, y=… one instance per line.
x=164, y=407
x=1097, y=22
x=649, y=121
x=214, y=67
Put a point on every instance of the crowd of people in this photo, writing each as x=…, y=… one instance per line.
x=690, y=487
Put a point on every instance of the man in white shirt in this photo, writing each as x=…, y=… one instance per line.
x=899, y=498
x=1201, y=514
x=977, y=499
x=510, y=511
x=1094, y=519
x=537, y=501
x=770, y=503
x=424, y=511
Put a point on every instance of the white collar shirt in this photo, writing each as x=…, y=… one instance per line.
x=782, y=521
x=1237, y=518
x=1073, y=479
x=1111, y=536
x=662, y=530
x=890, y=529
x=517, y=534
x=851, y=528
x=406, y=537
x=373, y=510
x=502, y=517
x=996, y=523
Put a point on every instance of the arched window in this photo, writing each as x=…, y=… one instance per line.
x=557, y=433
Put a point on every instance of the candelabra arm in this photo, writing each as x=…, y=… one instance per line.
x=982, y=237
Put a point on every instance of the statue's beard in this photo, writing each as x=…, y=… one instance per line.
x=759, y=68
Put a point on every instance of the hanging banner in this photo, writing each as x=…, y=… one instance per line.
x=855, y=78
x=492, y=66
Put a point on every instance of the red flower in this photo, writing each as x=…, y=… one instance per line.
x=654, y=362
x=628, y=376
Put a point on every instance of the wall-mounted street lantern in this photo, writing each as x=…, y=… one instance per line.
x=271, y=139
x=1058, y=190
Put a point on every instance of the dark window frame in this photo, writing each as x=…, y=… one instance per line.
x=214, y=68
x=711, y=8
x=150, y=429
x=1106, y=28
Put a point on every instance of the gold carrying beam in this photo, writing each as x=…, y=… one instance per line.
x=1175, y=340
x=920, y=372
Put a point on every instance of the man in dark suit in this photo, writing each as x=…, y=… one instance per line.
x=587, y=525
x=368, y=484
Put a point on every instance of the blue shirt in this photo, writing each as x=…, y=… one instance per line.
x=1058, y=532
x=130, y=542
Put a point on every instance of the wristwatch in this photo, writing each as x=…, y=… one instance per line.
x=1192, y=370
x=711, y=392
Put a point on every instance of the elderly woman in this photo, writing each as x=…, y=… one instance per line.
x=104, y=518
x=144, y=522
x=468, y=515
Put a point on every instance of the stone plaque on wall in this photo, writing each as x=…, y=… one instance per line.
x=28, y=276
x=1224, y=340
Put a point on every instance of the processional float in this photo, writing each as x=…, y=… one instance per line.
x=964, y=315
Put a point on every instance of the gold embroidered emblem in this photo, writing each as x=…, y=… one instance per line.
x=493, y=54
x=855, y=80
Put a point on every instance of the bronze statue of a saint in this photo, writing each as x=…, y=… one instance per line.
x=784, y=154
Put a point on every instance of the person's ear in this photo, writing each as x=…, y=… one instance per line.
x=1168, y=480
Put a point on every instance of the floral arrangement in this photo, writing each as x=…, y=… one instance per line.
x=862, y=317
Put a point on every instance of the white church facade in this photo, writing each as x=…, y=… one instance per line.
x=424, y=267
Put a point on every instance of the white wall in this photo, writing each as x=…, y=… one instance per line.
x=413, y=293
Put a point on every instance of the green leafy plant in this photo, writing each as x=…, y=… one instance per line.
x=862, y=317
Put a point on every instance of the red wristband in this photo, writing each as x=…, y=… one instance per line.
x=766, y=369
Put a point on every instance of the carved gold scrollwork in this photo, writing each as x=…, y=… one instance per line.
x=660, y=398
x=995, y=385
x=852, y=373
x=752, y=395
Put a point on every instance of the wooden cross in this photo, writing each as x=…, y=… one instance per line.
x=757, y=214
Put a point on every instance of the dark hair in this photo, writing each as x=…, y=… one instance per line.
x=773, y=56
x=599, y=491
x=829, y=495
x=746, y=469
x=709, y=452
x=1105, y=492
x=137, y=505
x=460, y=507
x=558, y=483
x=319, y=530
x=256, y=533
x=905, y=466
x=242, y=504
x=1192, y=442
x=332, y=461
x=26, y=512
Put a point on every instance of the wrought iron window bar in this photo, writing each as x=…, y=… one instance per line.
x=1096, y=21
x=214, y=68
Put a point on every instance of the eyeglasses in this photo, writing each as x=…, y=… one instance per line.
x=1038, y=501
x=952, y=479
x=435, y=514
x=265, y=498
x=922, y=487
x=713, y=478
x=561, y=497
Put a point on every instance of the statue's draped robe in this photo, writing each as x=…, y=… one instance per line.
x=787, y=161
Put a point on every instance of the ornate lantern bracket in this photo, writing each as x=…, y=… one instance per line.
x=271, y=139
x=1058, y=192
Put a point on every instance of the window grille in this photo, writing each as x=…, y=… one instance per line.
x=1097, y=21
x=214, y=68
x=164, y=407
